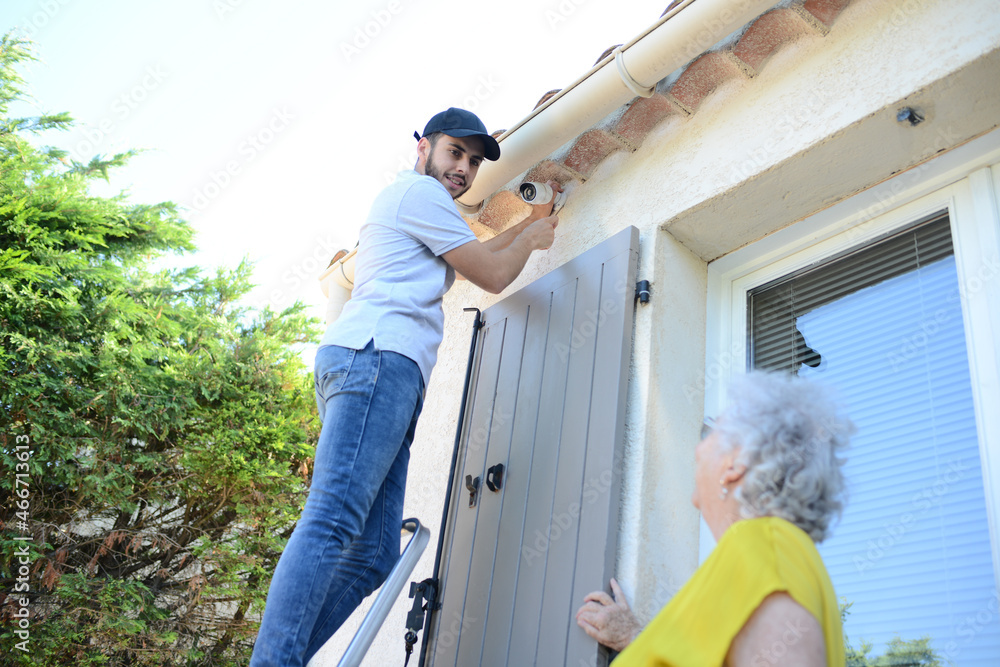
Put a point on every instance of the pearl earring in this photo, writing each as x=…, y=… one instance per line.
x=725, y=491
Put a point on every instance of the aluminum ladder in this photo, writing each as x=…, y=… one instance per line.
x=390, y=590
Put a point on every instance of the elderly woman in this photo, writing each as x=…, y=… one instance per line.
x=768, y=481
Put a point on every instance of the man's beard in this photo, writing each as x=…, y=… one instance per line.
x=430, y=169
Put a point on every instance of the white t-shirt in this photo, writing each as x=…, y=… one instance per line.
x=399, y=276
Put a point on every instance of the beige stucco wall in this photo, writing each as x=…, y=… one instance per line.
x=815, y=127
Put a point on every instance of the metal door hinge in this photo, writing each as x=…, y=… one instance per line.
x=424, y=597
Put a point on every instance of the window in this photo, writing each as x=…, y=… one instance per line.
x=884, y=325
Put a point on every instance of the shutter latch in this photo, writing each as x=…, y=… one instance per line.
x=473, y=486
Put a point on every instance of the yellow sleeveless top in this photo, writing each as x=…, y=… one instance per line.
x=754, y=558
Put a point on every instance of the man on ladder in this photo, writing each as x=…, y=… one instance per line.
x=371, y=371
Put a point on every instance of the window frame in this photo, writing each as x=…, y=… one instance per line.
x=964, y=182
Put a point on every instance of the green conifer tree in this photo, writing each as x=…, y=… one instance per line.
x=898, y=652
x=155, y=435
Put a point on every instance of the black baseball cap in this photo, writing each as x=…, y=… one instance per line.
x=461, y=123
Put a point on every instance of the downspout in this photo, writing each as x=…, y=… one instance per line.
x=337, y=282
x=633, y=69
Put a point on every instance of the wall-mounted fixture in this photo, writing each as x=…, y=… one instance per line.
x=642, y=291
x=909, y=115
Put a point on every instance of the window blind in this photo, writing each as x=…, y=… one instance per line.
x=883, y=324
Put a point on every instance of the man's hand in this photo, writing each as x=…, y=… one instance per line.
x=539, y=211
x=608, y=620
x=541, y=233
x=495, y=264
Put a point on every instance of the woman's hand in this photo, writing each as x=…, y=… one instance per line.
x=608, y=620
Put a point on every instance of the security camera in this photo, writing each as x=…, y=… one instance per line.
x=540, y=193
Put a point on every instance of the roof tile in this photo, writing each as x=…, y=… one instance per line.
x=643, y=115
x=705, y=75
x=769, y=33
x=501, y=210
x=590, y=149
x=826, y=11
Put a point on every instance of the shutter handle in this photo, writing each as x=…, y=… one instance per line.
x=473, y=486
x=494, y=477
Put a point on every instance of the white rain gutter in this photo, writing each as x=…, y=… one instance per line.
x=674, y=40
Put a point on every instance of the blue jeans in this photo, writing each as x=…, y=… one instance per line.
x=347, y=540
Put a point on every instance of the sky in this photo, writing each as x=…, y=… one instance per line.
x=274, y=125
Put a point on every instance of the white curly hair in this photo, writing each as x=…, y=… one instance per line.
x=792, y=434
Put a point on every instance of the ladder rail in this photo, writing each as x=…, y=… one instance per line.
x=388, y=594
